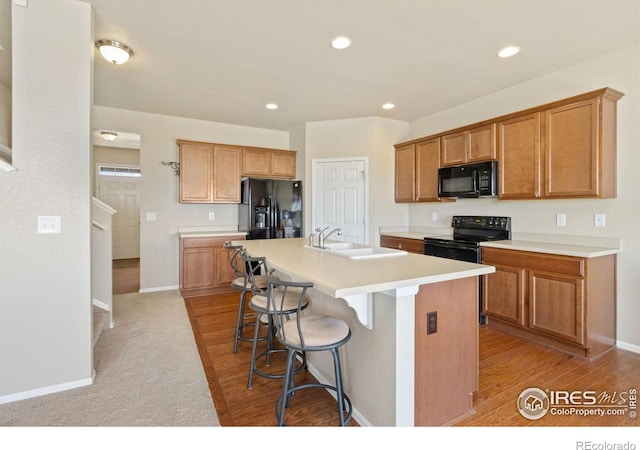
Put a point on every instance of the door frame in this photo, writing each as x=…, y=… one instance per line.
x=315, y=163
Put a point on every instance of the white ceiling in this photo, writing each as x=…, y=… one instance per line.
x=223, y=60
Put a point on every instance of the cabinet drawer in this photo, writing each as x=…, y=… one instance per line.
x=566, y=265
x=410, y=245
x=194, y=242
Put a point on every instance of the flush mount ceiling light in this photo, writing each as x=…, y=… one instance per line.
x=271, y=106
x=109, y=135
x=388, y=106
x=341, y=42
x=114, y=51
x=508, y=51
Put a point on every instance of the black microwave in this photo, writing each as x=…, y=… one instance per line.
x=469, y=180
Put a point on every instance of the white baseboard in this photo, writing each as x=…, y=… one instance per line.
x=626, y=346
x=159, y=289
x=45, y=390
x=101, y=304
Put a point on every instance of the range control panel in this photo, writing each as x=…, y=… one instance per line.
x=482, y=222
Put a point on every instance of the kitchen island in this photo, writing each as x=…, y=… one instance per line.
x=395, y=373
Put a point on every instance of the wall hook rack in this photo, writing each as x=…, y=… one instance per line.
x=174, y=165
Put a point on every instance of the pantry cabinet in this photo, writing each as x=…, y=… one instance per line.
x=204, y=265
x=564, y=301
x=416, y=171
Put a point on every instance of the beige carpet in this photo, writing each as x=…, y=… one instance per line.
x=148, y=373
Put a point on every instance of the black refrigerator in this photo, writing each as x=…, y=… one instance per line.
x=271, y=209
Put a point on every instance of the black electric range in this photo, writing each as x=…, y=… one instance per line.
x=464, y=243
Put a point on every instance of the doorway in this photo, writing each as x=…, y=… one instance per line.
x=339, y=197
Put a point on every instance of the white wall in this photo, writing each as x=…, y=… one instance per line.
x=619, y=70
x=159, y=256
x=45, y=292
x=371, y=137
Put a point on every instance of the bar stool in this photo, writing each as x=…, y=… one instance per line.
x=308, y=333
x=290, y=305
x=241, y=283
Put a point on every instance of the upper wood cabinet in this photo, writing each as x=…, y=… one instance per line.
x=519, y=157
x=566, y=149
x=268, y=163
x=209, y=173
x=416, y=171
x=468, y=146
x=563, y=149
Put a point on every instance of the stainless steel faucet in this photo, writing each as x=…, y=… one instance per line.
x=321, y=236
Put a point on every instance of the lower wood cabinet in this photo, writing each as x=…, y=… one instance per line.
x=204, y=265
x=563, y=301
x=409, y=245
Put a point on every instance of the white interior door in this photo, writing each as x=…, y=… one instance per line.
x=122, y=193
x=339, y=197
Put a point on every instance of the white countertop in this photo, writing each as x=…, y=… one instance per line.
x=584, y=251
x=338, y=276
x=186, y=232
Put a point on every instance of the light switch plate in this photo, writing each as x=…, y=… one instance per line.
x=49, y=224
x=212, y=216
x=151, y=216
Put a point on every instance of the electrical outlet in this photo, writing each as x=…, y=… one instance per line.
x=49, y=224
x=561, y=220
x=434, y=216
x=211, y=216
x=432, y=322
x=598, y=220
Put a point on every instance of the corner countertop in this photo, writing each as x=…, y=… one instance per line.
x=339, y=277
x=187, y=232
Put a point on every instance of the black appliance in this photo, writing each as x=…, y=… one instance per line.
x=464, y=243
x=270, y=209
x=469, y=180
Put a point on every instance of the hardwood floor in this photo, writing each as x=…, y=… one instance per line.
x=508, y=365
x=126, y=276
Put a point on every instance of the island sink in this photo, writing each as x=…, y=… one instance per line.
x=353, y=250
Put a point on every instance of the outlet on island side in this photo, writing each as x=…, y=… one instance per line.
x=432, y=322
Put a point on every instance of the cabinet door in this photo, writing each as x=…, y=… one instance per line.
x=504, y=294
x=571, y=150
x=198, y=268
x=519, y=171
x=556, y=305
x=405, y=174
x=196, y=165
x=224, y=272
x=454, y=149
x=283, y=164
x=256, y=162
x=482, y=143
x=427, y=160
x=226, y=174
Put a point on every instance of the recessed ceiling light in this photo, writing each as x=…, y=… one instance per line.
x=271, y=106
x=508, y=51
x=341, y=42
x=388, y=106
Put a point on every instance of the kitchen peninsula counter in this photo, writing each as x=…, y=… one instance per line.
x=394, y=372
